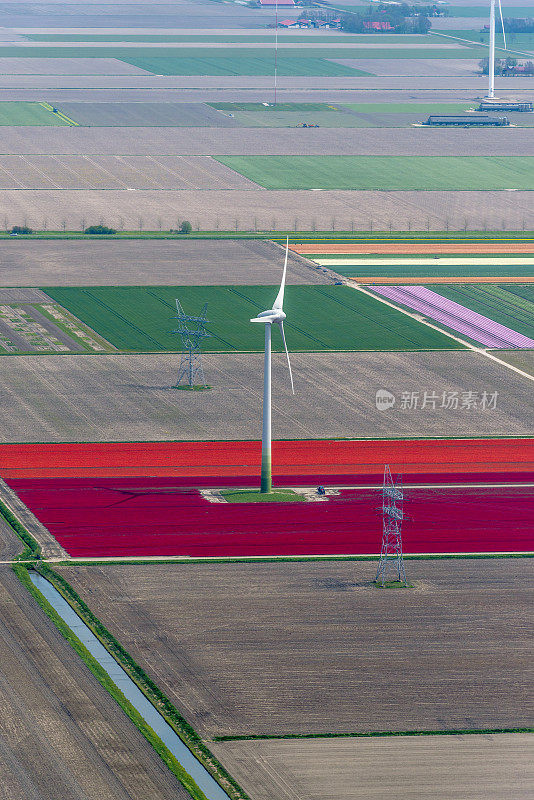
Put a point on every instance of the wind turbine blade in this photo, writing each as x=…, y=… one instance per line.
x=502, y=24
x=279, y=302
x=281, y=326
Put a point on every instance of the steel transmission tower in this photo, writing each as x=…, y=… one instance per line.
x=192, y=332
x=391, y=564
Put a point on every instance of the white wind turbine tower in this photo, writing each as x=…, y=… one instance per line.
x=273, y=315
x=491, y=62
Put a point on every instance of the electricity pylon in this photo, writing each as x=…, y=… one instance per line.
x=391, y=564
x=192, y=332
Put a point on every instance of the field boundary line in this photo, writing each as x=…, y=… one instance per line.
x=369, y=735
x=150, y=689
x=145, y=560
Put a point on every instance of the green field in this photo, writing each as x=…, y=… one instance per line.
x=174, y=60
x=350, y=115
x=177, y=52
x=386, y=173
x=335, y=115
x=514, y=41
x=289, y=115
x=141, y=318
x=407, y=108
x=27, y=113
x=382, y=270
x=259, y=62
x=512, y=306
x=253, y=496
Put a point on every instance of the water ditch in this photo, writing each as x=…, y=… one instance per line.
x=130, y=690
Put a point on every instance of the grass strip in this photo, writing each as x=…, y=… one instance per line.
x=32, y=548
x=255, y=496
x=104, y=679
x=300, y=237
x=63, y=117
x=369, y=735
x=152, y=692
x=282, y=559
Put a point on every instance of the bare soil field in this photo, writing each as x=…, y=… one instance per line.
x=413, y=67
x=191, y=262
x=62, y=737
x=118, y=172
x=61, y=15
x=155, y=88
x=152, y=115
x=246, y=88
x=10, y=544
x=249, y=210
x=68, y=66
x=301, y=647
x=130, y=397
x=471, y=767
x=524, y=359
x=263, y=141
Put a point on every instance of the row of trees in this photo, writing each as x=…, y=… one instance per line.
x=513, y=25
x=508, y=66
x=102, y=230
x=385, y=19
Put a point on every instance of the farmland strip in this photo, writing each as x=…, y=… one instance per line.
x=455, y=316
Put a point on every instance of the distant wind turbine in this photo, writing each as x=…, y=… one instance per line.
x=491, y=62
x=273, y=315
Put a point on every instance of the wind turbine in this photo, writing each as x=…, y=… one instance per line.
x=491, y=62
x=272, y=315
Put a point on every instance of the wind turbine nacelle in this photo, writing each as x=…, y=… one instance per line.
x=273, y=315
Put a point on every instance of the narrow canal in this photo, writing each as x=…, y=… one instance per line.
x=130, y=690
